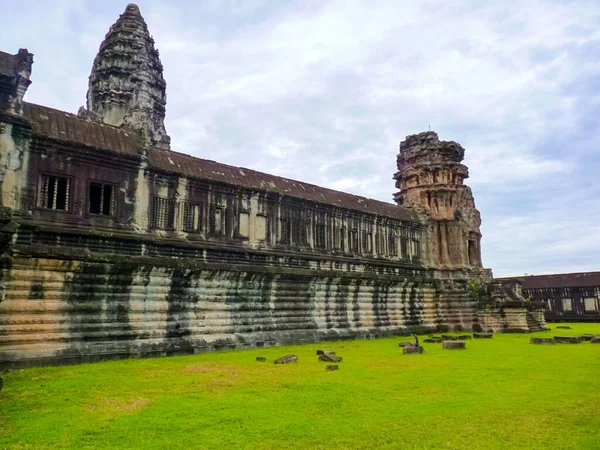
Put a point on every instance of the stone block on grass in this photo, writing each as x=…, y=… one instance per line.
x=541, y=341
x=568, y=339
x=454, y=345
x=595, y=340
x=287, y=359
x=483, y=335
x=563, y=327
x=261, y=358
x=328, y=357
x=323, y=352
x=331, y=367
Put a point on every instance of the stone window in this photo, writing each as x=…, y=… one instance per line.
x=567, y=304
x=218, y=220
x=393, y=244
x=163, y=213
x=192, y=217
x=353, y=240
x=285, y=225
x=243, y=224
x=102, y=199
x=300, y=229
x=404, y=245
x=590, y=304
x=54, y=192
x=367, y=241
x=380, y=243
x=417, y=249
x=262, y=228
x=320, y=235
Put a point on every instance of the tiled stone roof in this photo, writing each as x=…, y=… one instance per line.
x=70, y=128
x=560, y=280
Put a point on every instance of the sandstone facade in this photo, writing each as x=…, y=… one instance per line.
x=113, y=245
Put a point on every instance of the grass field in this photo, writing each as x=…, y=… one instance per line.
x=498, y=394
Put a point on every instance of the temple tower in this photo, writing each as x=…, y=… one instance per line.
x=126, y=86
x=15, y=73
x=430, y=177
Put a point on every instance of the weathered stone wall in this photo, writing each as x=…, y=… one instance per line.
x=66, y=310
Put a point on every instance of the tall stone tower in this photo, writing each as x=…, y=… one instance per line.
x=126, y=86
x=430, y=177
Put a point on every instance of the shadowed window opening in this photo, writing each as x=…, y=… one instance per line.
x=353, y=240
x=163, y=213
x=218, y=220
x=380, y=243
x=300, y=229
x=192, y=217
x=54, y=192
x=320, y=235
x=367, y=241
x=393, y=244
x=472, y=253
x=102, y=199
x=284, y=231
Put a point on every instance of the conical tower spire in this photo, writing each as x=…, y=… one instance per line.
x=126, y=86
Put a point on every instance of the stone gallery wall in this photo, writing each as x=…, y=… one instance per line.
x=70, y=309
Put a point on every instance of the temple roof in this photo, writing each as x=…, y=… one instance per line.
x=70, y=128
x=559, y=280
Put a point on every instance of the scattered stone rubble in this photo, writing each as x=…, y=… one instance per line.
x=483, y=335
x=568, y=339
x=287, y=359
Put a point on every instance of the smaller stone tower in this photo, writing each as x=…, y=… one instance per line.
x=15, y=71
x=430, y=177
x=126, y=86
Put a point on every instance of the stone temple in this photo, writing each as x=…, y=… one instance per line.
x=114, y=245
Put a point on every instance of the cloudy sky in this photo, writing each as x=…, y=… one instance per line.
x=324, y=91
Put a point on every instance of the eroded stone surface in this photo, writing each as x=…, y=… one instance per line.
x=454, y=345
x=544, y=341
x=330, y=357
x=568, y=339
x=483, y=335
x=595, y=340
x=323, y=352
x=287, y=359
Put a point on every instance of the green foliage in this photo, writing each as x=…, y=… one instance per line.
x=479, y=293
x=501, y=393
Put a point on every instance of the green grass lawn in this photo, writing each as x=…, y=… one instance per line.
x=501, y=393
